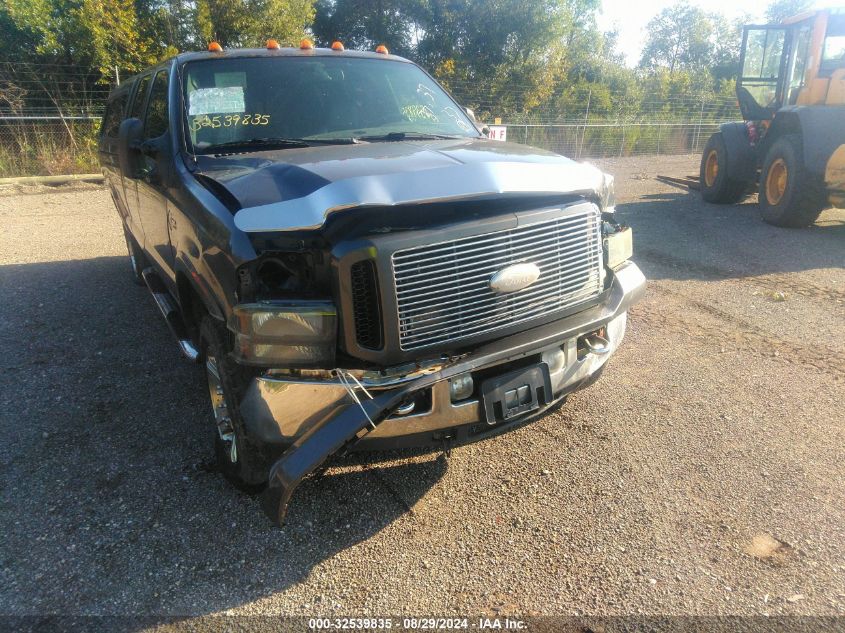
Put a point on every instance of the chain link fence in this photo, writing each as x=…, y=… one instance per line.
x=48, y=145
x=56, y=145
x=614, y=138
x=50, y=128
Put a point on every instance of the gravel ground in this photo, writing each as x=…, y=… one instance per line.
x=703, y=474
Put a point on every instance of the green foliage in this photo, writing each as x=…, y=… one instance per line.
x=686, y=38
x=100, y=34
x=30, y=149
x=245, y=23
x=364, y=24
x=779, y=10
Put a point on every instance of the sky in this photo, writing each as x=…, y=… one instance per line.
x=630, y=18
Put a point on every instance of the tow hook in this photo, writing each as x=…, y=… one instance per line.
x=595, y=342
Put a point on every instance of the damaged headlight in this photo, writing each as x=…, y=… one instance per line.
x=618, y=244
x=286, y=333
x=607, y=194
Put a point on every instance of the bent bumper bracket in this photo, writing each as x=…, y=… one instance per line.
x=338, y=429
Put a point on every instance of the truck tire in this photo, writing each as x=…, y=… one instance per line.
x=137, y=259
x=716, y=184
x=238, y=458
x=789, y=195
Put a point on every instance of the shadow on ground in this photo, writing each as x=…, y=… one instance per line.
x=105, y=467
x=679, y=236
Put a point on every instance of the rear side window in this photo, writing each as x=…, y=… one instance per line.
x=137, y=110
x=114, y=115
x=156, y=121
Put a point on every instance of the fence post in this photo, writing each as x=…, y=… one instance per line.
x=698, y=130
x=586, y=117
x=117, y=75
x=622, y=144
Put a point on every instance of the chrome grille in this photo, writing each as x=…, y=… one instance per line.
x=443, y=290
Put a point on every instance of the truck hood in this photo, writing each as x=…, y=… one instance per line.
x=297, y=189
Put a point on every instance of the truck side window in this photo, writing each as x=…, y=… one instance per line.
x=156, y=122
x=137, y=110
x=114, y=115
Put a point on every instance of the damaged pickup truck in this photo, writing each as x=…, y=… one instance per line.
x=352, y=261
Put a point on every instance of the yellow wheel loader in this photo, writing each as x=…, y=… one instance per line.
x=791, y=92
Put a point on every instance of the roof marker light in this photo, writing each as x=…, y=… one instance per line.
x=272, y=45
x=337, y=46
x=306, y=44
x=214, y=47
x=381, y=48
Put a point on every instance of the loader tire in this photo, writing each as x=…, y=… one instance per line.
x=716, y=184
x=789, y=195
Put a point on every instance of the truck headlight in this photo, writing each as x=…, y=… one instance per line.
x=618, y=246
x=608, y=194
x=286, y=333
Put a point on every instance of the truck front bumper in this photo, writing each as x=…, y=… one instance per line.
x=311, y=419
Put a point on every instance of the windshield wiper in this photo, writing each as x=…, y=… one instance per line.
x=408, y=136
x=344, y=140
x=254, y=142
x=276, y=142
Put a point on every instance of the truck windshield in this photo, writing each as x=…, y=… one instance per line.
x=254, y=100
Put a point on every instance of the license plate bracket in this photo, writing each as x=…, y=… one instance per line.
x=516, y=393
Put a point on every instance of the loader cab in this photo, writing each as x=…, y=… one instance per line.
x=798, y=62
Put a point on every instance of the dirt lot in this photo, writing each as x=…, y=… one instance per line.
x=704, y=473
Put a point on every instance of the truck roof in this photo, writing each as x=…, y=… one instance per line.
x=243, y=53
x=236, y=53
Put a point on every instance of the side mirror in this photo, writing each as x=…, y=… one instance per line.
x=150, y=149
x=128, y=142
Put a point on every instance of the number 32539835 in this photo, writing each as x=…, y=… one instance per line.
x=229, y=120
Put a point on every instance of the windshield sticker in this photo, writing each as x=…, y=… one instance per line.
x=228, y=120
x=216, y=100
x=415, y=112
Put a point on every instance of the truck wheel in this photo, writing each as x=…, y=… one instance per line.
x=716, y=184
x=137, y=259
x=239, y=459
x=789, y=195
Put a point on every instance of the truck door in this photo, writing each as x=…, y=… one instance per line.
x=114, y=114
x=760, y=86
x=130, y=184
x=152, y=200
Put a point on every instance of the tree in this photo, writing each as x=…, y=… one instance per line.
x=779, y=10
x=235, y=23
x=94, y=33
x=364, y=24
x=684, y=37
x=170, y=26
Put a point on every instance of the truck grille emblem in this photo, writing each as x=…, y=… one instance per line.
x=515, y=277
